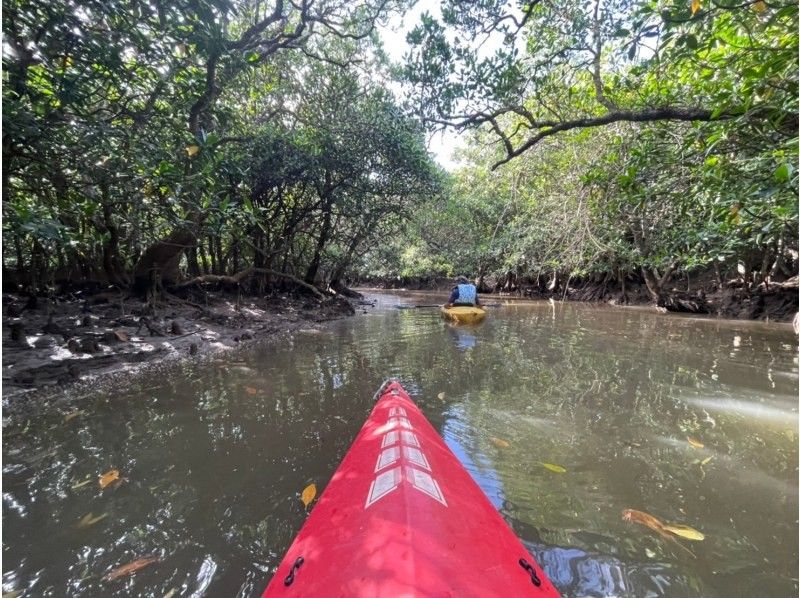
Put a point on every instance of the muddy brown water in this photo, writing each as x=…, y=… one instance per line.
x=213, y=456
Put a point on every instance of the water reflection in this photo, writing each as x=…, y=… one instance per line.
x=213, y=456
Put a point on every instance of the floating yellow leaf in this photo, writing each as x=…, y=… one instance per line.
x=130, y=568
x=192, y=150
x=309, y=492
x=109, y=477
x=80, y=484
x=554, y=468
x=695, y=6
x=500, y=442
x=72, y=415
x=171, y=593
x=684, y=531
x=440, y=396
x=657, y=526
x=760, y=6
x=121, y=336
x=90, y=519
x=694, y=442
x=250, y=390
x=706, y=460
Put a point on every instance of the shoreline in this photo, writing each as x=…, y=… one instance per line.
x=69, y=344
x=74, y=346
x=778, y=302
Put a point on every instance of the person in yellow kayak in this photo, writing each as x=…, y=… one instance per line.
x=464, y=293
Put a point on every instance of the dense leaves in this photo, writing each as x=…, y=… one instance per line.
x=148, y=142
x=635, y=138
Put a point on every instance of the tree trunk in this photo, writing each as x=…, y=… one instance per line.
x=112, y=263
x=313, y=267
x=159, y=262
x=191, y=262
x=213, y=255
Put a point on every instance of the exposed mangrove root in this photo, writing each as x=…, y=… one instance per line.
x=239, y=277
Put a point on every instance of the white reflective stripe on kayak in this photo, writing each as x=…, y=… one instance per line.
x=393, y=424
x=383, y=485
x=390, y=438
x=416, y=457
x=424, y=482
x=409, y=438
x=387, y=457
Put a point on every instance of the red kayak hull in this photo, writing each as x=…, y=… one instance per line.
x=402, y=517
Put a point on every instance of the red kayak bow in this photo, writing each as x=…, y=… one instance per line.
x=402, y=517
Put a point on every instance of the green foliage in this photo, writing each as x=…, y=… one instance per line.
x=243, y=127
x=695, y=163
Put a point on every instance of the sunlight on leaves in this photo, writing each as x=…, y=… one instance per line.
x=684, y=531
x=662, y=529
x=81, y=484
x=72, y=415
x=130, y=568
x=89, y=520
x=554, y=468
x=309, y=492
x=109, y=477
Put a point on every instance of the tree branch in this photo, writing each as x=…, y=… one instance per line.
x=240, y=277
x=647, y=115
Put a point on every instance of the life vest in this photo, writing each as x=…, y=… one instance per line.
x=467, y=294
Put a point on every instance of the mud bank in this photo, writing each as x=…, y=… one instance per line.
x=52, y=343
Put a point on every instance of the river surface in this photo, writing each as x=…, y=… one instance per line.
x=213, y=456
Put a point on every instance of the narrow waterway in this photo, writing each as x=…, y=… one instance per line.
x=565, y=414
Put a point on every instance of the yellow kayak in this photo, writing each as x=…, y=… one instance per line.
x=464, y=314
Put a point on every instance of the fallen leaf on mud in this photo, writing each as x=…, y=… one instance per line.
x=109, y=477
x=694, y=442
x=250, y=390
x=684, y=531
x=72, y=415
x=122, y=336
x=309, y=492
x=440, y=396
x=554, y=468
x=500, y=442
x=89, y=520
x=130, y=568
